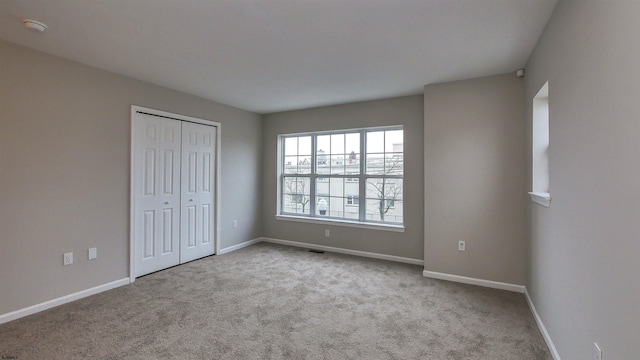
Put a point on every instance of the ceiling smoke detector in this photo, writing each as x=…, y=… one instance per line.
x=34, y=25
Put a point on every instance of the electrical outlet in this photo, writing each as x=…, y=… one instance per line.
x=93, y=253
x=326, y=233
x=462, y=245
x=235, y=223
x=67, y=259
x=597, y=352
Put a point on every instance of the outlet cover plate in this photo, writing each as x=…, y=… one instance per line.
x=462, y=246
x=93, y=253
x=67, y=259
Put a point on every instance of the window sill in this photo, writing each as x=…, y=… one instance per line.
x=355, y=224
x=543, y=199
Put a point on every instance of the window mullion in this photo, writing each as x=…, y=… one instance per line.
x=362, y=183
x=312, y=179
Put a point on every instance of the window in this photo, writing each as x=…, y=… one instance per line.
x=540, y=149
x=354, y=175
x=352, y=200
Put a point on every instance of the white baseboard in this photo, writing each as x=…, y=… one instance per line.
x=238, y=246
x=543, y=329
x=345, y=251
x=61, y=300
x=501, y=286
x=474, y=281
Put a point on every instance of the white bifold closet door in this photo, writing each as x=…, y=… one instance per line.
x=173, y=192
x=198, y=154
x=156, y=179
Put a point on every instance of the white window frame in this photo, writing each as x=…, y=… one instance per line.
x=540, y=192
x=361, y=178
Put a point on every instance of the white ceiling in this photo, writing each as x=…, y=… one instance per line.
x=275, y=55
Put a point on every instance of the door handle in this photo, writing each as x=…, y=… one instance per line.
x=190, y=200
x=166, y=203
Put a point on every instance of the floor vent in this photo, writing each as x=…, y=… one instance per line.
x=316, y=251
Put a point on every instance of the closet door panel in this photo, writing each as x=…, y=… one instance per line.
x=197, y=196
x=156, y=192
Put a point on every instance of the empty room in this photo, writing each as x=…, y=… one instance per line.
x=343, y=179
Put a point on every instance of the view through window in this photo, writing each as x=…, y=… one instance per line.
x=354, y=175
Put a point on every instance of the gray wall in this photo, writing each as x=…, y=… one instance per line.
x=583, y=258
x=405, y=111
x=475, y=178
x=64, y=172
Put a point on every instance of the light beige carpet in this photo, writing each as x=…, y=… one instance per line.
x=269, y=301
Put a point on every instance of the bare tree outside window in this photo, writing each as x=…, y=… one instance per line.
x=297, y=190
x=386, y=190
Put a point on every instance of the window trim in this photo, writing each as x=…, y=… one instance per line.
x=362, y=176
x=540, y=181
x=541, y=198
x=339, y=222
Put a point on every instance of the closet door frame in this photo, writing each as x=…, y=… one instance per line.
x=217, y=191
